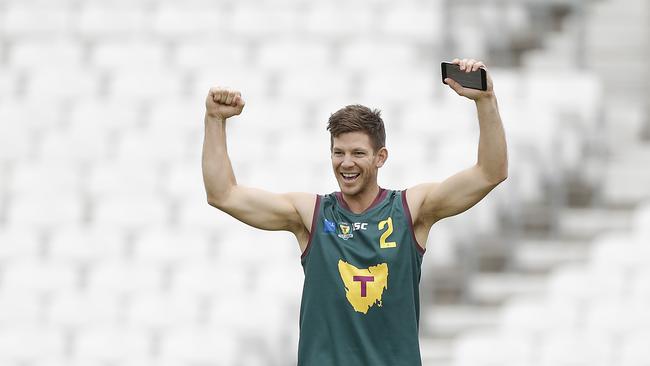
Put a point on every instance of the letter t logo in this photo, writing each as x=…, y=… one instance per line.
x=363, y=280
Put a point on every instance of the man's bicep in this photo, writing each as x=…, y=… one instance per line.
x=262, y=209
x=454, y=195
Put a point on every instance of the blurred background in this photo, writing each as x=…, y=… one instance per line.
x=111, y=256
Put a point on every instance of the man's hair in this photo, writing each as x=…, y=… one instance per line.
x=354, y=118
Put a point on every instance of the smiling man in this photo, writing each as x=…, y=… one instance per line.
x=362, y=247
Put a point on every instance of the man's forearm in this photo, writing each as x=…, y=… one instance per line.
x=492, y=149
x=218, y=176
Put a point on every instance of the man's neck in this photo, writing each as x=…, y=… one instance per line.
x=360, y=202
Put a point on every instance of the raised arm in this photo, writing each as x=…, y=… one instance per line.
x=255, y=207
x=430, y=202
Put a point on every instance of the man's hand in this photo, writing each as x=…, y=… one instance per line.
x=469, y=65
x=223, y=103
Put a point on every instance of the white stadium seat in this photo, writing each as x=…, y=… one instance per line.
x=222, y=53
x=121, y=55
x=146, y=84
x=38, y=54
x=336, y=20
x=282, y=53
x=84, y=309
x=131, y=212
x=96, y=20
x=123, y=178
x=170, y=246
x=151, y=147
x=259, y=19
x=200, y=346
x=20, y=307
x=175, y=21
x=18, y=244
x=23, y=20
x=576, y=348
x=22, y=343
x=46, y=178
x=162, y=311
x=486, y=349
x=106, y=116
x=111, y=343
x=38, y=276
x=419, y=21
x=85, y=245
x=62, y=83
x=119, y=277
x=379, y=54
x=45, y=211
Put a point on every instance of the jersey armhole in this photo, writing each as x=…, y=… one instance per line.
x=314, y=226
x=407, y=211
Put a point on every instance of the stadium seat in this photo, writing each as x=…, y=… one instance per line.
x=170, y=246
x=153, y=310
x=62, y=177
x=98, y=21
x=337, y=20
x=314, y=85
x=259, y=19
x=82, y=145
x=71, y=83
x=84, y=309
x=24, y=343
x=124, y=278
x=120, y=55
x=131, y=212
x=576, y=348
x=85, y=245
x=634, y=350
x=32, y=54
x=380, y=54
x=22, y=20
x=123, y=177
x=289, y=53
x=45, y=211
x=20, y=307
x=18, y=244
x=219, y=54
x=413, y=21
x=170, y=20
x=38, y=276
x=125, y=342
x=486, y=349
x=191, y=345
x=106, y=116
x=534, y=316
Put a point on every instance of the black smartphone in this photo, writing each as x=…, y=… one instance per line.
x=473, y=79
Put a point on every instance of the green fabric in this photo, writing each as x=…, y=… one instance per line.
x=350, y=315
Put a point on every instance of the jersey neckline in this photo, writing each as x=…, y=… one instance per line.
x=344, y=205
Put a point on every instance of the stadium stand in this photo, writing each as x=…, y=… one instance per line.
x=111, y=256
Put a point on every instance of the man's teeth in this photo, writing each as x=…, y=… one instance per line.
x=349, y=175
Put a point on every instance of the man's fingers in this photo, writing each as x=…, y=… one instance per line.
x=229, y=98
x=454, y=86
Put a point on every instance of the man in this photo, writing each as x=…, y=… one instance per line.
x=361, y=247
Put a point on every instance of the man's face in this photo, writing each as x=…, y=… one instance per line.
x=354, y=161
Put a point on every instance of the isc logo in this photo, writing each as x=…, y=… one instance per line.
x=359, y=226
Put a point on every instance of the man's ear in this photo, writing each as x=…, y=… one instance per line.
x=381, y=156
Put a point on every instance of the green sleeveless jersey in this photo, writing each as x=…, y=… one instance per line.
x=360, y=300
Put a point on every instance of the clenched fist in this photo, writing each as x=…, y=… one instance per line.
x=223, y=103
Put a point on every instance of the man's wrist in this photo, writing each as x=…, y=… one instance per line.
x=214, y=119
x=486, y=98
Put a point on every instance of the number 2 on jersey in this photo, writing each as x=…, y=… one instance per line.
x=382, y=240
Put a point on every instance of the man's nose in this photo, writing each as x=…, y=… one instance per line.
x=347, y=162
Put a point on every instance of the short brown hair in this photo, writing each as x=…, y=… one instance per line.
x=355, y=118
